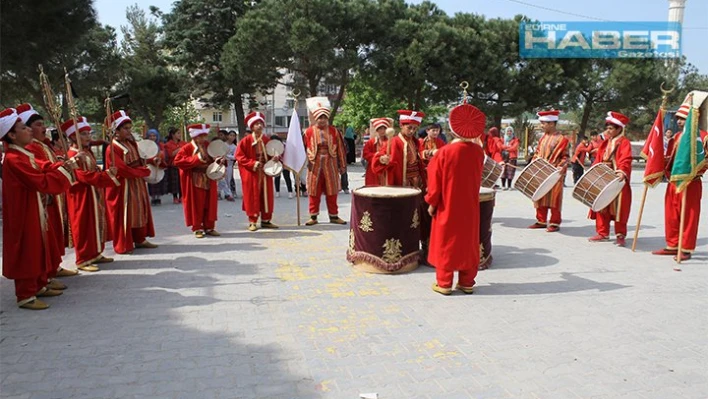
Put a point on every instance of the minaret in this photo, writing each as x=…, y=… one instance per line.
x=676, y=8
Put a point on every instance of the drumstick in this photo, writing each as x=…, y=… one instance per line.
x=513, y=166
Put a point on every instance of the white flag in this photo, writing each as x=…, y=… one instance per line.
x=295, y=156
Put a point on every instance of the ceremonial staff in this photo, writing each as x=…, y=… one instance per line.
x=664, y=99
x=108, y=128
x=53, y=109
x=72, y=108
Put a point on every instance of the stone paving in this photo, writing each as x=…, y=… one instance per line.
x=280, y=314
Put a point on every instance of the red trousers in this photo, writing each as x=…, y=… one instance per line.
x=316, y=197
x=672, y=215
x=26, y=288
x=465, y=278
x=602, y=224
x=542, y=215
x=265, y=217
x=139, y=235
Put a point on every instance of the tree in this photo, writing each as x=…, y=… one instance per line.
x=69, y=36
x=364, y=102
x=153, y=85
x=501, y=82
x=624, y=85
x=196, y=31
x=319, y=41
x=415, y=58
x=180, y=115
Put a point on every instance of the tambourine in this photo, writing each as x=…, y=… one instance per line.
x=156, y=174
x=272, y=168
x=217, y=148
x=216, y=171
x=147, y=149
x=275, y=148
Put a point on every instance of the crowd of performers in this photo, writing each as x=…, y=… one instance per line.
x=51, y=202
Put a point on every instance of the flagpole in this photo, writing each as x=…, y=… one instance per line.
x=297, y=195
x=681, y=225
x=639, y=218
x=664, y=99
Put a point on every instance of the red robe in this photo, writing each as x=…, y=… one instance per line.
x=257, y=186
x=373, y=146
x=617, y=154
x=57, y=214
x=86, y=204
x=199, y=194
x=26, y=184
x=454, y=178
x=512, y=148
x=170, y=147
x=426, y=146
x=673, y=200
x=129, y=213
x=493, y=147
x=405, y=168
x=554, y=149
x=327, y=158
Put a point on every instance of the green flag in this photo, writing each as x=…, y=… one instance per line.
x=690, y=155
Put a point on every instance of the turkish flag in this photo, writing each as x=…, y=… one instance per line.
x=653, y=152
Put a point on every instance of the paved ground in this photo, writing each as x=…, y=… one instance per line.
x=282, y=315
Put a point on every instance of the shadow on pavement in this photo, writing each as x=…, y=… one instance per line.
x=568, y=283
x=506, y=257
x=201, y=248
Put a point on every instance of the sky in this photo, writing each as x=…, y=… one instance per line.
x=112, y=12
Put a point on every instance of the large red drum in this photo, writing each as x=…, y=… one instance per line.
x=385, y=229
x=486, y=210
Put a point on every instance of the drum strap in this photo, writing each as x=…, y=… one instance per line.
x=612, y=147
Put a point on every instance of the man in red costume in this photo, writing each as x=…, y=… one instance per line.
x=615, y=152
x=673, y=199
x=454, y=178
x=129, y=213
x=41, y=147
x=552, y=147
x=326, y=156
x=199, y=193
x=28, y=253
x=430, y=145
x=377, y=143
x=86, y=201
x=257, y=187
x=578, y=160
x=405, y=168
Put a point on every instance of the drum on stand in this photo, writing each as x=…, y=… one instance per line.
x=598, y=187
x=537, y=179
x=385, y=229
x=491, y=171
x=486, y=210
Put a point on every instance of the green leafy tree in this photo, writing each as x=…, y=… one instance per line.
x=196, y=31
x=623, y=85
x=153, y=85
